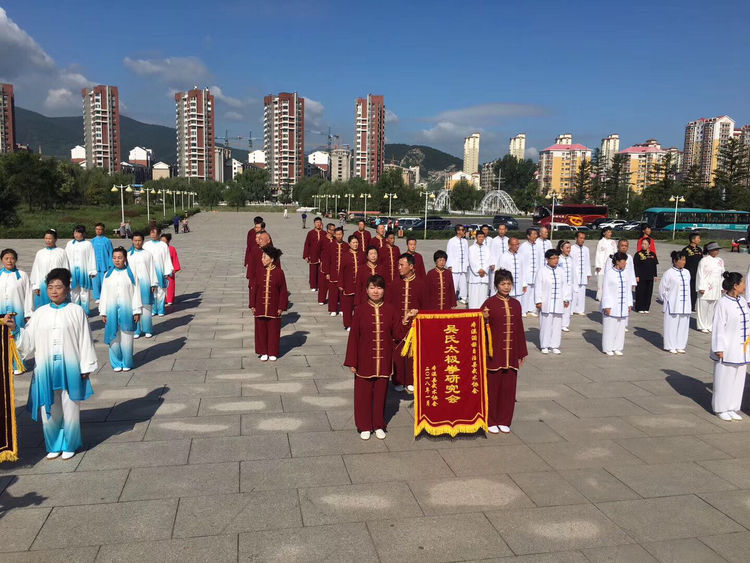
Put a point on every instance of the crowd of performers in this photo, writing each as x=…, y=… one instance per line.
x=48, y=312
x=377, y=290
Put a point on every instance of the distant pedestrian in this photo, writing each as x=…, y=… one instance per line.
x=304, y=219
x=176, y=223
x=286, y=213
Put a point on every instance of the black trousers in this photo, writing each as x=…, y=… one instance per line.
x=643, y=291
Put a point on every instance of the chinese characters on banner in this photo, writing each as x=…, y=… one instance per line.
x=450, y=390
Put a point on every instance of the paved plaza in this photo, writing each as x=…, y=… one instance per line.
x=203, y=453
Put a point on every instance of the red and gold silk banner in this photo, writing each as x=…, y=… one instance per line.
x=8, y=429
x=450, y=375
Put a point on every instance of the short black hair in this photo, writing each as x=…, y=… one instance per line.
x=262, y=225
x=677, y=254
x=371, y=247
x=376, y=280
x=550, y=253
x=531, y=230
x=80, y=229
x=439, y=254
x=389, y=233
x=154, y=228
x=502, y=275
x=124, y=252
x=257, y=220
x=361, y=221
x=137, y=234
x=457, y=227
x=485, y=226
x=337, y=229
x=329, y=225
x=617, y=256
x=167, y=236
x=411, y=238
x=62, y=274
x=100, y=225
x=317, y=219
x=8, y=251
x=561, y=243
x=272, y=252
x=52, y=232
x=692, y=235
x=352, y=237
x=408, y=257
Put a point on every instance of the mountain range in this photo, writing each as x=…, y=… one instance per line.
x=57, y=135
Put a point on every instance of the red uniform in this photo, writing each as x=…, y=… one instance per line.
x=652, y=244
x=388, y=260
x=367, y=270
x=377, y=241
x=353, y=263
x=311, y=253
x=364, y=238
x=375, y=327
x=440, y=293
x=503, y=362
x=325, y=243
x=418, y=265
x=269, y=299
x=175, y=268
x=335, y=255
x=405, y=294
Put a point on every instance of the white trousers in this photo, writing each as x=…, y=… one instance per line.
x=729, y=383
x=528, y=303
x=705, y=312
x=82, y=297
x=478, y=294
x=550, y=330
x=613, y=333
x=676, y=328
x=62, y=430
x=567, y=312
x=460, y=285
x=599, y=282
x=579, y=299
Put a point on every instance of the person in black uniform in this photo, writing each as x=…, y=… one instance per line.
x=644, y=263
x=694, y=254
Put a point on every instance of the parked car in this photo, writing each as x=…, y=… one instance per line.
x=563, y=227
x=595, y=224
x=406, y=222
x=632, y=226
x=611, y=224
x=506, y=220
x=432, y=225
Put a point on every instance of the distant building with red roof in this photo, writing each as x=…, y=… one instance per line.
x=559, y=163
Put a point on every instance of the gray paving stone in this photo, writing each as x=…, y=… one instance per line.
x=671, y=424
x=181, y=481
x=736, y=471
x=281, y=422
x=241, y=512
x=493, y=460
x=631, y=553
x=293, y=473
x=559, y=557
x=402, y=466
x=19, y=527
x=74, y=555
x=204, y=390
x=601, y=407
x=168, y=406
x=598, y=485
x=688, y=550
x=669, y=479
x=558, y=528
x=534, y=432
x=239, y=405
x=732, y=547
x=734, y=444
x=340, y=543
x=32, y=461
x=317, y=402
x=239, y=448
x=108, y=432
x=216, y=549
x=438, y=538
x=100, y=524
x=135, y=454
x=609, y=389
x=668, y=518
x=588, y=429
x=196, y=426
x=580, y=455
x=326, y=443
x=457, y=495
x=671, y=449
x=548, y=488
x=81, y=487
x=735, y=504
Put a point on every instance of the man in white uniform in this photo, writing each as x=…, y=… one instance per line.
x=458, y=262
x=513, y=262
x=582, y=264
x=708, y=284
x=479, y=272
x=162, y=265
x=551, y=297
x=533, y=259
x=82, y=261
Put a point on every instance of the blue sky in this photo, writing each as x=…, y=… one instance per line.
x=640, y=69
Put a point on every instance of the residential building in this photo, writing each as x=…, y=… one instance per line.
x=139, y=156
x=417, y=174
x=232, y=169
x=341, y=164
x=7, y=119
x=78, y=155
x=558, y=165
x=101, y=127
x=257, y=158
x=195, y=134
x=610, y=147
x=222, y=155
x=320, y=158
x=408, y=175
x=643, y=163
x=743, y=135
x=488, y=177
x=284, y=138
x=452, y=179
x=703, y=140
x=471, y=153
x=369, y=137
x=160, y=171
x=517, y=146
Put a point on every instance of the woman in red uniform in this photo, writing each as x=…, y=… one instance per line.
x=502, y=314
x=167, y=239
x=440, y=294
x=352, y=264
x=376, y=326
x=368, y=269
x=268, y=300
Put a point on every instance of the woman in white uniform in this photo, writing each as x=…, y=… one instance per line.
x=605, y=248
x=552, y=297
x=617, y=301
x=708, y=285
x=730, y=347
x=46, y=260
x=570, y=273
x=674, y=292
x=15, y=294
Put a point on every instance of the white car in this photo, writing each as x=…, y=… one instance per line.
x=611, y=224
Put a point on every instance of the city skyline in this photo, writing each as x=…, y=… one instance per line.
x=425, y=105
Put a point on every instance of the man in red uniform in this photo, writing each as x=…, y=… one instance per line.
x=411, y=248
x=440, y=294
x=363, y=235
x=325, y=242
x=268, y=300
x=335, y=255
x=376, y=325
x=368, y=269
x=251, y=234
x=502, y=313
x=388, y=255
x=378, y=240
x=406, y=292
x=353, y=264
x=311, y=251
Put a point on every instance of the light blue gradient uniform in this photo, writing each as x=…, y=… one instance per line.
x=16, y=297
x=163, y=268
x=82, y=262
x=46, y=260
x=103, y=252
x=142, y=265
x=120, y=300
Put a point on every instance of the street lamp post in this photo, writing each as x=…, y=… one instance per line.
x=390, y=198
x=553, y=197
x=677, y=200
x=429, y=195
x=348, y=204
x=122, y=188
x=326, y=198
x=148, y=203
x=174, y=201
x=365, y=197
x=335, y=198
x=164, y=201
x=182, y=200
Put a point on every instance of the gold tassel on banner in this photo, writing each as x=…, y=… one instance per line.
x=8, y=429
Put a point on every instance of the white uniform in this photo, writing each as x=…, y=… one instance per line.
x=82, y=260
x=731, y=330
x=163, y=267
x=630, y=272
x=582, y=264
x=553, y=292
x=570, y=274
x=604, y=249
x=458, y=262
x=120, y=300
x=479, y=286
x=533, y=259
x=142, y=265
x=545, y=243
x=747, y=286
x=15, y=294
x=674, y=291
x=46, y=260
x=618, y=298
x=708, y=280
x=513, y=262
x=498, y=246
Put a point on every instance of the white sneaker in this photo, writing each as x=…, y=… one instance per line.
x=724, y=416
x=493, y=430
x=341, y=313
x=116, y=369
x=673, y=351
x=380, y=434
x=545, y=350
x=319, y=303
x=627, y=329
x=609, y=353
x=136, y=336
x=264, y=358
x=348, y=329
x=734, y=415
x=148, y=335
x=313, y=290
x=680, y=351
x=565, y=329
x=398, y=388
x=705, y=330
x=365, y=435
x=410, y=388
x=160, y=315
x=272, y=358
x=556, y=351
x=53, y=455
x=533, y=315
x=524, y=315
x=17, y=372
x=504, y=429
x=125, y=369
x=618, y=353
x=333, y=314
x=67, y=455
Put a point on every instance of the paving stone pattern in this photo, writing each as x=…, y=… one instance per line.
x=203, y=453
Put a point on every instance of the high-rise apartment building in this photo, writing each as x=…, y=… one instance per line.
x=284, y=138
x=610, y=147
x=703, y=139
x=488, y=177
x=101, y=127
x=196, y=157
x=471, y=154
x=517, y=146
x=369, y=137
x=7, y=119
x=643, y=163
x=558, y=165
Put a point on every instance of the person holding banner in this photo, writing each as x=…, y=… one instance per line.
x=505, y=356
x=15, y=295
x=440, y=294
x=369, y=355
x=552, y=297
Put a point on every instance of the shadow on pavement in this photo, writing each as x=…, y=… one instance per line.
x=690, y=387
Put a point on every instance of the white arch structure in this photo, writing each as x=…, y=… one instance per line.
x=442, y=201
x=498, y=201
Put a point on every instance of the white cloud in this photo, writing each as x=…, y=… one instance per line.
x=60, y=98
x=176, y=72
x=314, y=113
x=234, y=116
x=390, y=117
x=532, y=153
x=19, y=50
x=228, y=100
x=444, y=131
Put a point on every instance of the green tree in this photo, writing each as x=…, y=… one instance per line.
x=391, y=182
x=210, y=193
x=696, y=194
x=663, y=183
x=515, y=174
x=235, y=195
x=582, y=182
x=35, y=180
x=617, y=186
x=463, y=196
x=596, y=188
x=526, y=199
x=9, y=201
x=732, y=174
x=304, y=190
x=254, y=182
